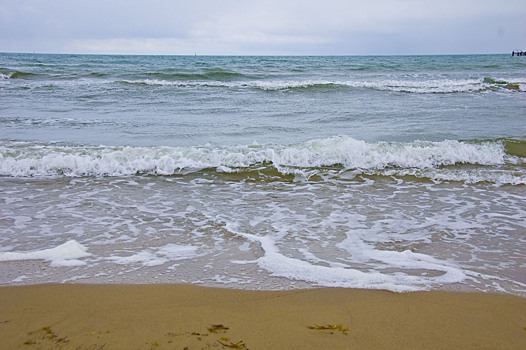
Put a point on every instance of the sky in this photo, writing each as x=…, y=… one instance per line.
x=264, y=27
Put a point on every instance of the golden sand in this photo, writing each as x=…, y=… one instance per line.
x=70, y=316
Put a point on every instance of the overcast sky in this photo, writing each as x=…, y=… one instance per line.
x=263, y=27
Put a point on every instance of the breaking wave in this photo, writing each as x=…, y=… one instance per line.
x=221, y=78
x=497, y=161
x=438, y=86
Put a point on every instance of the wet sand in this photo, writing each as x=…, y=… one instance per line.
x=71, y=316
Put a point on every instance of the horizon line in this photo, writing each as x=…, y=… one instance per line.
x=253, y=55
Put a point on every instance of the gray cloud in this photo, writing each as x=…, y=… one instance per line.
x=262, y=27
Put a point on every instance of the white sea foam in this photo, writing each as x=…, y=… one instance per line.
x=424, y=86
x=67, y=254
x=419, y=158
x=411, y=86
x=277, y=264
x=346, y=152
x=397, y=235
x=160, y=256
x=19, y=279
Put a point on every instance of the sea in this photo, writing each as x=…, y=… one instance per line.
x=400, y=173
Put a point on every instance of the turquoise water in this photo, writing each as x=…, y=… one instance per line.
x=399, y=173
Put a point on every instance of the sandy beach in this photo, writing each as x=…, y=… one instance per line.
x=71, y=316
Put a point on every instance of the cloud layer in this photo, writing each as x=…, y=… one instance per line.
x=262, y=27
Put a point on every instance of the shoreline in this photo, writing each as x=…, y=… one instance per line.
x=167, y=316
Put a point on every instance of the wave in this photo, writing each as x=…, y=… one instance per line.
x=515, y=147
x=213, y=74
x=516, y=85
x=436, y=86
x=447, y=160
x=424, y=86
x=14, y=74
x=221, y=78
x=269, y=85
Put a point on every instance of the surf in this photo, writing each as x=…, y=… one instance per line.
x=320, y=157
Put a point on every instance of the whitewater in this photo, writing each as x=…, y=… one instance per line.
x=390, y=172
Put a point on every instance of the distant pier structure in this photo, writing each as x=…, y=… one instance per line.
x=518, y=53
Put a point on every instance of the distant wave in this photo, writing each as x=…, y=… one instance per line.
x=207, y=74
x=266, y=85
x=446, y=160
x=5, y=74
x=221, y=78
x=49, y=78
x=517, y=85
x=212, y=74
x=440, y=86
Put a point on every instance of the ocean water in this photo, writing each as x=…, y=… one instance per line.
x=400, y=173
